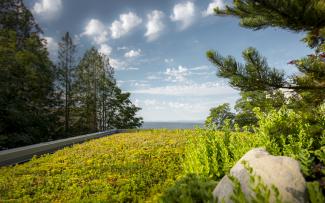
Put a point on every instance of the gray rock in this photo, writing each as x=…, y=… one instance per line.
x=280, y=171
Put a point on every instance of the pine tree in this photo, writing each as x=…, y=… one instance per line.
x=65, y=76
x=85, y=91
x=26, y=79
x=295, y=15
x=125, y=112
x=100, y=104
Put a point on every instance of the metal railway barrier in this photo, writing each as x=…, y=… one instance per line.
x=23, y=154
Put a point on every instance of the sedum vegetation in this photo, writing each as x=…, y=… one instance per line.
x=144, y=166
x=129, y=167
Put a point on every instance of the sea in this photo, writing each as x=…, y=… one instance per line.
x=171, y=125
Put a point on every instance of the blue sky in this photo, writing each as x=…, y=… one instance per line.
x=158, y=48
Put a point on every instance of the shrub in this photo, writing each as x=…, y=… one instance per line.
x=190, y=189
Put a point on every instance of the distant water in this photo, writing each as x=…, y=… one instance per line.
x=171, y=125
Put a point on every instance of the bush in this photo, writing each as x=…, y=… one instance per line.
x=212, y=153
x=190, y=189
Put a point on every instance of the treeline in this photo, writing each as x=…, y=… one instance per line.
x=41, y=100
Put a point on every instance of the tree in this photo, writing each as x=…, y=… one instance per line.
x=65, y=76
x=295, y=15
x=219, y=115
x=86, y=90
x=26, y=79
x=100, y=104
x=245, y=115
x=125, y=112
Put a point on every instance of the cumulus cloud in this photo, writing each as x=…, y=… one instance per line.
x=155, y=25
x=105, y=49
x=184, y=13
x=125, y=24
x=194, y=89
x=177, y=74
x=97, y=31
x=47, y=9
x=214, y=4
x=132, y=53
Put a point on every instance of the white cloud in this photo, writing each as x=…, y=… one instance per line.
x=153, y=77
x=117, y=64
x=150, y=102
x=199, y=68
x=105, y=49
x=171, y=60
x=97, y=31
x=121, y=65
x=125, y=24
x=47, y=9
x=177, y=74
x=52, y=46
x=132, y=53
x=184, y=13
x=122, y=48
x=194, y=89
x=214, y=4
x=154, y=25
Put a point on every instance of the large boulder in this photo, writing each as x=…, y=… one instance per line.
x=280, y=171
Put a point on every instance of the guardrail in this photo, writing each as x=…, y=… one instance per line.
x=23, y=154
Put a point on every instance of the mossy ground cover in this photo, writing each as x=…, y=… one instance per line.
x=141, y=166
x=128, y=167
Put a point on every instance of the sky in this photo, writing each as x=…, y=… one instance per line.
x=158, y=48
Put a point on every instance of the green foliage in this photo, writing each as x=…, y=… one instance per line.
x=297, y=135
x=254, y=75
x=218, y=116
x=190, y=189
x=297, y=15
x=315, y=192
x=26, y=79
x=100, y=103
x=65, y=77
x=308, y=88
x=265, y=101
x=129, y=167
x=211, y=153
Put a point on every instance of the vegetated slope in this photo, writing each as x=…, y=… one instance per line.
x=147, y=166
x=121, y=168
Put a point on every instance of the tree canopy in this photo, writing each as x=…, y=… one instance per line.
x=256, y=75
x=26, y=79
